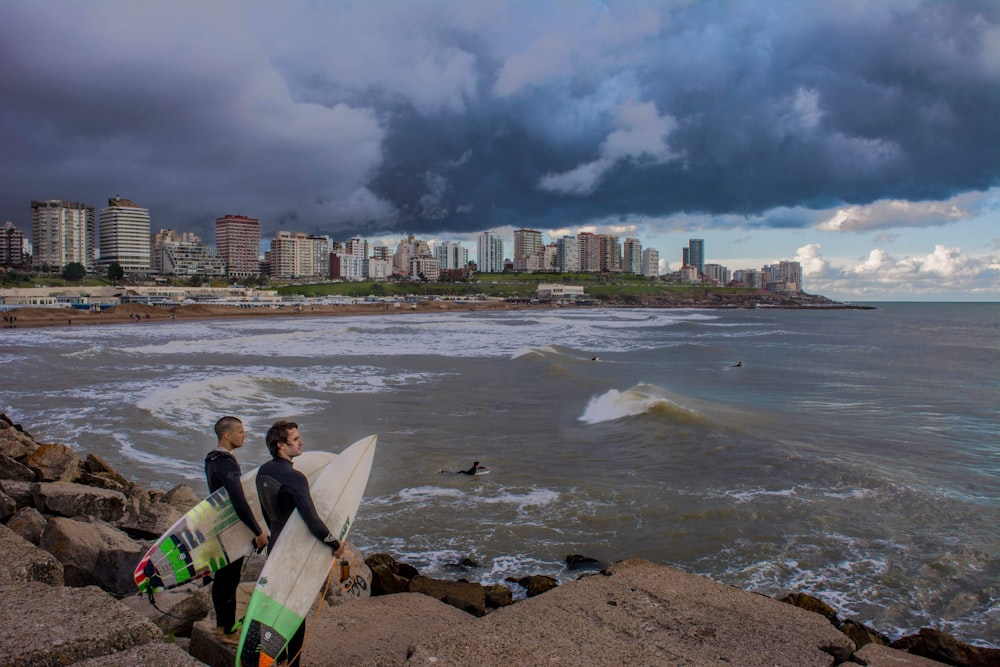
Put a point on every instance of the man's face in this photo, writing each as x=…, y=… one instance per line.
x=293, y=443
x=237, y=435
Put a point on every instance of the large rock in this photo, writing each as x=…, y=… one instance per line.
x=388, y=575
x=149, y=520
x=70, y=500
x=16, y=444
x=154, y=653
x=182, y=497
x=7, y=506
x=470, y=598
x=53, y=625
x=11, y=469
x=29, y=524
x=93, y=553
x=352, y=578
x=19, y=491
x=53, y=462
x=176, y=610
x=641, y=614
x=22, y=561
x=937, y=645
x=877, y=655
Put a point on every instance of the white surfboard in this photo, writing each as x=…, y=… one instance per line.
x=299, y=563
x=210, y=535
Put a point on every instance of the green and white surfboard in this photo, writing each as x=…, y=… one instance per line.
x=299, y=563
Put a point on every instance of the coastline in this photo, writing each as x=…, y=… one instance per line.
x=27, y=317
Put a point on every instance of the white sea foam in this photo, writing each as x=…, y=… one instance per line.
x=638, y=400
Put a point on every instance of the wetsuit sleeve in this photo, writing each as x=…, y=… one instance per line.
x=307, y=510
x=229, y=471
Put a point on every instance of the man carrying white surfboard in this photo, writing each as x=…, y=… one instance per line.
x=282, y=490
x=223, y=470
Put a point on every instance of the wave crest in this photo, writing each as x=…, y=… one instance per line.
x=638, y=400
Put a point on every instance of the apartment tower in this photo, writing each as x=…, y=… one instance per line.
x=63, y=232
x=124, y=234
x=489, y=253
x=237, y=238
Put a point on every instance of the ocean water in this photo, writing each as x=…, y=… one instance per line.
x=854, y=455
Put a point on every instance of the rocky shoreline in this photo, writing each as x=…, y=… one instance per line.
x=73, y=530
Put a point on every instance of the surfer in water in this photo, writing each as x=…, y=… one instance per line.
x=476, y=469
x=223, y=470
x=282, y=490
x=738, y=364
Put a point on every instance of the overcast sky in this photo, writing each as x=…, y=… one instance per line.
x=861, y=138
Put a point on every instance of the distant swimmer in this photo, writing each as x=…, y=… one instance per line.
x=738, y=364
x=595, y=358
x=476, y=469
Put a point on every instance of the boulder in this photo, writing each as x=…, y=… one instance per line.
x=95, y=465
x=352, y=580
x=93, y=553
x=470, y=598
x=11, y=469
x=176, y=610
x=102, y=481
x=937, y=645
x=55, y=463
x=149, y=522
x=576, y=562
x=182, y=497
x=388, y=575
x=813, y=604
x=640, y=613
x=29, y=524
x=22, y=561
x=69, y=500
x=19, y=491
x=535, y=584
x=56, y=625
x=15, y=444
x=876, y=655
x=154, y=653
x=7, y=506
x=498, y=595
x=862, y=635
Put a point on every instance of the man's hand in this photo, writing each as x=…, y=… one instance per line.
x=339, y=552
x=260, y=541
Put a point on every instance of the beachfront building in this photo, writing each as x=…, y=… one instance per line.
x=718, y=274
x=237, y=238
x=190, y=260
x=425, y=268
x=696, y=255
x=529, y=251
x=406, y=250
x=650, y=262
x=346, y=267
x=568, y=254
x=632, y=256
x=63, y=232
x=752, y=278
x=164, y=236
x=451, y=255
x=299, y=255
x=124, y=236
x=377, y=269
x=556, y=292
x=611, y=253
x=11, y=246
x=784, y=276
x=489, y=253
x=590, y=252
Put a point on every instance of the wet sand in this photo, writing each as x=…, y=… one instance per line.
x=135, y=314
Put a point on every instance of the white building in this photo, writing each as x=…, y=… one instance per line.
x=489, y=253
x=190, y=259
x=425, y=268
x=451, y=255
x=568, y=254
x=124, y=234
x=529, y=251
x=718, y=274
x=378, y=269
x=63, y=232
x=650, y=262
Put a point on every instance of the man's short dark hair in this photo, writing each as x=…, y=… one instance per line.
x=277, y=434
x=225, y=425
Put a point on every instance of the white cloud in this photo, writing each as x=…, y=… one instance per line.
x=891, y=213
x=641, y=134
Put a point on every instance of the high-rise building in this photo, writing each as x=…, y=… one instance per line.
x=124, y=234
x=590, y=252
x=11, y=246
x=696, y=255
x=237, y=238
x=718, y=274
x=64, y=232
x=168, y=236
x=611, y=253
x=529, y=251
x=451, y=255
x=489, y=253
x=650, y=262
x=632, y=256
x=568, y=254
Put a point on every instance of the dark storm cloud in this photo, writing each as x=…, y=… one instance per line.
x=429, y=118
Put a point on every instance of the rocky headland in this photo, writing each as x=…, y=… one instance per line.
x=74, y=530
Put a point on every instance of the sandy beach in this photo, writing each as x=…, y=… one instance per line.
x=25, y=318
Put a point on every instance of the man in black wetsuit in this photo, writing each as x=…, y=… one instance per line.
x=282, y=490
x=223, y=470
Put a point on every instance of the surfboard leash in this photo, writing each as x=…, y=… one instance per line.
x=326, y=587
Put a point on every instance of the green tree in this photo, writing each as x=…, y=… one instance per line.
x=74, y=271
x=115, y=271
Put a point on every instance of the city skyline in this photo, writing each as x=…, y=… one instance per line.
x=858, y=140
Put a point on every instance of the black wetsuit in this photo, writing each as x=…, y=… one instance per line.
x=223, y=470
x=282, y=490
